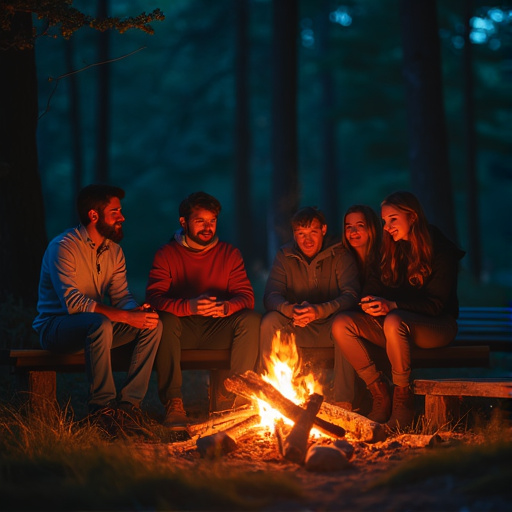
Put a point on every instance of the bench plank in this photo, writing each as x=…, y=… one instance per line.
x=443, y=396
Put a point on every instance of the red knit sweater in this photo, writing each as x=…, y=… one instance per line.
x=179, y=274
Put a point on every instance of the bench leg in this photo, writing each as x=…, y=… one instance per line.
x=441, y=411
x=38, y=389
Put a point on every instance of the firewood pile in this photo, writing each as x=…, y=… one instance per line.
x=219, y=434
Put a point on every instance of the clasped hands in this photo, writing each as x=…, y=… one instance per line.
x=376, y=306
x=206, y=305
x=145, y=317
x=303, y=314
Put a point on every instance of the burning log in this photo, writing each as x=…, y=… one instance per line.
x=223, y=442
x=221, y=421
x=251, y=385
x=296, y=443
x=359, y=426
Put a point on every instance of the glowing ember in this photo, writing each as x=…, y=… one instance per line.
x=284, y=374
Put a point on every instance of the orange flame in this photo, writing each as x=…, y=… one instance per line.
x=284, y=373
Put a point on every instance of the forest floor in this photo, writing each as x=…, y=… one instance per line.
x=449, y=479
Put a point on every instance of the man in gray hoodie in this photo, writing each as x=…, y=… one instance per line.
x=310, y=281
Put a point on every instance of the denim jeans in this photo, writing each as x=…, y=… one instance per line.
x=96, y=335
x=239, y=331
x=315, y=334
x=395, y=332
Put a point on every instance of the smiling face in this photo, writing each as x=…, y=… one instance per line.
x=310, y=239
x=110, y=221
x=397, y=222
x=201, y=226
x=356, y=230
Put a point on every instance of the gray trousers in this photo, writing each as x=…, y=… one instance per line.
x=315, y=334
x=95, y=334
x=395, y=332
x=239, y=331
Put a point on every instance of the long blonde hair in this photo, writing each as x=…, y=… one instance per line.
x=417, y=254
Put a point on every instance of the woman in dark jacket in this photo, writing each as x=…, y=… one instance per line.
x=410, y=299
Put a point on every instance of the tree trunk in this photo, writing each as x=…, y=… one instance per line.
x=242, y=135
x=77, y=171
x=22, y=228
x=103, y=117
x=428, y=146
x=473, y=221
x=284, y=123
x=330, y=194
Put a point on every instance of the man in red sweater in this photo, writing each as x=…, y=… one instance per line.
x=200, y=288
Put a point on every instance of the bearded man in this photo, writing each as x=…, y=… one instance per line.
x=200, y=288
x=81, y=268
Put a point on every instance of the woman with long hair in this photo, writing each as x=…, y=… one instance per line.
x=410, y=299
x=362, y=237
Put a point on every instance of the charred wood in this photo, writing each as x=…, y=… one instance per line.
x=251, y=385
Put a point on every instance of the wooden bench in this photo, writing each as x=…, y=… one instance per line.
x=442, y=397
x=36, y=370
x=481, y=330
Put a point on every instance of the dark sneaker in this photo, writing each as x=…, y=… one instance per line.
x=175, y=415
x=105, y=419
x=131, y=419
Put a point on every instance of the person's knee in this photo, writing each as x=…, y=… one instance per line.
x=342, y=328
x=250, y=319
x=273, y=321
x=170, y=326
x=100, y=323
x=393, y=324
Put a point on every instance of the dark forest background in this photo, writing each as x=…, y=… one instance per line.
x=272, y=105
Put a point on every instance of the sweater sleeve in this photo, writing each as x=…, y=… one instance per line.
x=433, y=298
x=239, y=286
x=274, y=297
x=159, y=284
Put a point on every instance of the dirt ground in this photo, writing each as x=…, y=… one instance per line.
x=349, y=490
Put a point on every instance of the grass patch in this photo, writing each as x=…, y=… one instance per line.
x=48, y=461
x=484, y=468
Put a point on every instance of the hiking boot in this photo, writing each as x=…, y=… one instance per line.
x=402, y=415
x=175, y=415
x=131, y=419
x=381, y=406
x=105, y=419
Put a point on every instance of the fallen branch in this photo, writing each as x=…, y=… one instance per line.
x=359, y=426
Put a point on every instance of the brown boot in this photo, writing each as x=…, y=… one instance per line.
x=175, y=415
x=381, y=407
x=402, y=415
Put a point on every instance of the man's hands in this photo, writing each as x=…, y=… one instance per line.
x=377, y=306
x=303, y=314
x=205, y=305
x=143, y=317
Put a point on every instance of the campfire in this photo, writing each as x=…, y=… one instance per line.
x=291, y=405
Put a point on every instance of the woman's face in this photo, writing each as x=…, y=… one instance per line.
x=396, y=222
x=356, y=230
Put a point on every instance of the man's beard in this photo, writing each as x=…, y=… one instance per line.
x=198, y=240
x=114, y=233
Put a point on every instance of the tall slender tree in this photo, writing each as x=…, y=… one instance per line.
x=242, y=131
x=285, y=184
x=428, y=141
x=330, y=171
x=77, y=171
x=475, y=257
x=22, y=229
x=101, y=171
